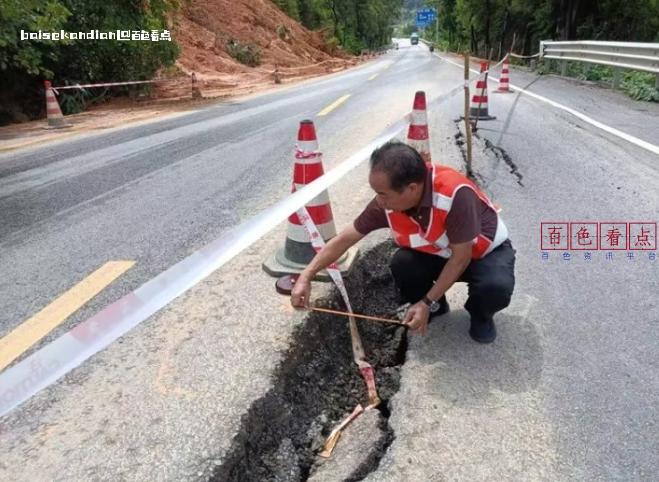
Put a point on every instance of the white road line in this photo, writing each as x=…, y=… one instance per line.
x=611, y=130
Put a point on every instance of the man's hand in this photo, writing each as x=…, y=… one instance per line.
x=335, y=247
x=301, y=292
x=417, y=317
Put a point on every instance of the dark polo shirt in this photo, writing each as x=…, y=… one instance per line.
x=467, y=218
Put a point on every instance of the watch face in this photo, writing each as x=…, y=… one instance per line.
x=434, y=306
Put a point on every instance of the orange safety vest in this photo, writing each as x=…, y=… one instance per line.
x=408, y=233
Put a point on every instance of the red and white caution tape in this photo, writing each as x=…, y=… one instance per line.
x=110, y=84
x=487, y=71
x=359, y=356
x=300, y=154
x=333, y=438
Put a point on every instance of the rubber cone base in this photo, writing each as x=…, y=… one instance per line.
x=277, y=265
x=284, y=285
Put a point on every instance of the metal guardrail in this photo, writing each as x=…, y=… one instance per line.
x=622, y=55
x=626, y=55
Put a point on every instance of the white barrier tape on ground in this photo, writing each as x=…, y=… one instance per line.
x=611, y=130
x=42, y=368
x=45, y=366
x=112, y=84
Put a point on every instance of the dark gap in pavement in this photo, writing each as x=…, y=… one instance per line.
x=502, y=154
x=499, y=152
x=460, y=142
x=317, y=384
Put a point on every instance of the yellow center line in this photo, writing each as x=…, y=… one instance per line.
x=373, y=76
x=35, y=328
x=334, y=105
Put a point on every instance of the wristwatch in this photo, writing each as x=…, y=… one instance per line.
x=432, y=305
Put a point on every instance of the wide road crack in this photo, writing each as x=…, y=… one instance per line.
x=317, y=384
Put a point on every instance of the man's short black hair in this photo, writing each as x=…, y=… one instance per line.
x=402, y=163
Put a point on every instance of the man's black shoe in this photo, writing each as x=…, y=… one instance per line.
x=483, y=331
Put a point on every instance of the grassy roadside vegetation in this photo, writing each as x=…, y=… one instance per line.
x=493, y=27
x=638, y=85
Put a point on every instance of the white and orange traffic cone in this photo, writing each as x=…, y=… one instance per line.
x=298, y=251
x=504, y=81
x=53, y=112
x=417, y=134
x=479, y=108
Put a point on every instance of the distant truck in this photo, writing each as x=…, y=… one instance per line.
x=414, y=38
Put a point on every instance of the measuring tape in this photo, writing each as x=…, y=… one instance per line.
x=359, y=357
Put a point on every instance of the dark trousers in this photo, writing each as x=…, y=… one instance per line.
x=491, y=280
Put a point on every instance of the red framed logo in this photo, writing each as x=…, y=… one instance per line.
x=584, y=236
x=643, y=236
x=614, y=236
x=554, y=236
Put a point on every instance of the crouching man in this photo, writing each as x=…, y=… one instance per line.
x=447, y=230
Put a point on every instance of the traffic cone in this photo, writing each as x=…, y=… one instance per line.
x=505, y=80
x=298, y=251
x=417, y=134
x=479, y=99
x=53, y=112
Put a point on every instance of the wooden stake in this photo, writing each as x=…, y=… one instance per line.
x=467, y=121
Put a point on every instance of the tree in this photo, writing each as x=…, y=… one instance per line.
x=24, y=64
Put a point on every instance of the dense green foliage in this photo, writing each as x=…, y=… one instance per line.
x=24, y=64
x=494, y=27
x=484, y=26
x=353, y=24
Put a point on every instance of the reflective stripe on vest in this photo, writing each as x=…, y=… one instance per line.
x=407, y=233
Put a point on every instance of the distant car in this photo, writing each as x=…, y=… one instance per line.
x=414, y=38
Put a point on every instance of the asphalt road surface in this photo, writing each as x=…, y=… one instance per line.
x=155, y=193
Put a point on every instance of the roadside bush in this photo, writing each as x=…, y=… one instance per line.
x=283, y=33
x=74, y=101
x=330, y=45
x=591, y=72
x=640, y=86
x=245, y=53
x=353, y=44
